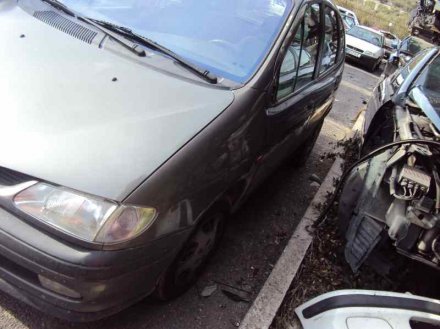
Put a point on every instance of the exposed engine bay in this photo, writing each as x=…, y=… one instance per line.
x=395, y=195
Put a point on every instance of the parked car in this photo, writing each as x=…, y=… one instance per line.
x=359, y=309
x=391, y=42
x=391, y=199
x=348, y=13
x=406, y=50
x=365, y=46
x=349, y=21
x=130, y=132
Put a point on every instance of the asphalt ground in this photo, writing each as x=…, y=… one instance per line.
x=254, y=239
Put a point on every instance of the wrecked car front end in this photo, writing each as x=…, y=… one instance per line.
x=393, y=197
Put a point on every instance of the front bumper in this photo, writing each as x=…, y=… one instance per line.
x=358, y=309
x=364, y=60
x=107, y=281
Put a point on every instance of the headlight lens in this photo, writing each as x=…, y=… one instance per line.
x=83, y=216
x=369, y=53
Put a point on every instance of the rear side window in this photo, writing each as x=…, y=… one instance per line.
x=331, y=39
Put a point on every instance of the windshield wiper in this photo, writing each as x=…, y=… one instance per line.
x=127, y=32
x=115, y=31
x=130, y=46
x=60, y=6
x=135, y=48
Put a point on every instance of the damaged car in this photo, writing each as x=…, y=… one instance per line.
x=391, y=197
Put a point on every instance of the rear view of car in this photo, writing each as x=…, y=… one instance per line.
x=365, y=46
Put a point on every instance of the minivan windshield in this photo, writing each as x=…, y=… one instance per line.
x=400, y=75
x=412, y=45
x=366, y=35
x=230, y=38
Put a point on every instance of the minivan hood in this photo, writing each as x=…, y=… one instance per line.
x=65, y=121
x=361, y=44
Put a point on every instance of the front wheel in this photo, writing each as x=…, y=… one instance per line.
x=374, y=66
x=185, y=269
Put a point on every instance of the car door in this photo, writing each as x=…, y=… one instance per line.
x=306, y=81
x=292, y=102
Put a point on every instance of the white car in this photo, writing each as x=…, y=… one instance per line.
x=349, y=17
x=365, y=309
x=365, y=46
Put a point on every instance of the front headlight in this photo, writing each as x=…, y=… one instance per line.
x=369, y=53
x=85, y=217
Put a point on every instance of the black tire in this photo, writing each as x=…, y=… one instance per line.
x=301, y=155
x=373, y=67
x=390, y=68
x=192, y=258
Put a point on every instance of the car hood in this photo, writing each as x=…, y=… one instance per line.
x=361, y=44
x=65, y=121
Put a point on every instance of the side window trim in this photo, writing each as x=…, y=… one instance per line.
x=321, y=39
x=339, y=52
x=341, y=31
x=302, y=27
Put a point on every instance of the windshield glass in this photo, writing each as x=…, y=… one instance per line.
x=429, y=81
x=402, y=74
x=366, y=35
x=230, y=38
x=413, y=45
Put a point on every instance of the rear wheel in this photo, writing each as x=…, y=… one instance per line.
x=191, y=259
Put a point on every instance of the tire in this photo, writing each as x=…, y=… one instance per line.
x=390, y=68
x=301, y=155
x=192, y=258
x=374, y=66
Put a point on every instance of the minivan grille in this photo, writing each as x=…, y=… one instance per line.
x=65, y=25
x=10, y=177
